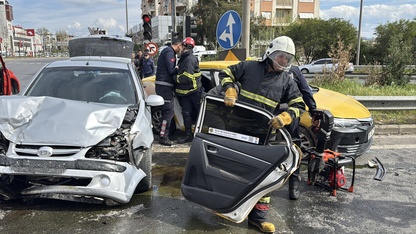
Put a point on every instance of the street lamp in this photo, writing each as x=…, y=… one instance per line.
x=359, y=34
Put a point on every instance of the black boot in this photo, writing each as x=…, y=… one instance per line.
x=294, y=191
x=187, y=138
x=165, y=141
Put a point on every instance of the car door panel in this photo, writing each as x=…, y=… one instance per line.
x=226, y=168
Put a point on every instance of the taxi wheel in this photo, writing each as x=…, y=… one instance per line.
x=157, y=121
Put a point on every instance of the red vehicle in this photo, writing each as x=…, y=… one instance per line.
x=9, y=84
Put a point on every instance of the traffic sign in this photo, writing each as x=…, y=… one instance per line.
x=152, y=48
x=229, y=30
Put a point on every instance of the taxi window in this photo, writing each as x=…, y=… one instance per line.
x=236, y=123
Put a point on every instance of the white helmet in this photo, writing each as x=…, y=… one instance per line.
x=282, y=43
x=281, y=46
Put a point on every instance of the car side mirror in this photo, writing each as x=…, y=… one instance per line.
x=154, y=100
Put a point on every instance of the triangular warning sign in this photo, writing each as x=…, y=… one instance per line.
x=231, y=57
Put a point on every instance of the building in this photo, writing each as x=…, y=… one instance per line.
x=275, y=13
x=283, y=12
x=6, y=17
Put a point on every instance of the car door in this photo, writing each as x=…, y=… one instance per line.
x=236, y=158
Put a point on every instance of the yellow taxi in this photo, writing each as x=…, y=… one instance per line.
x=353, y=128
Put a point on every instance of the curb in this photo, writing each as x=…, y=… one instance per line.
x=395, y=129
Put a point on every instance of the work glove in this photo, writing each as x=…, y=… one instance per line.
x=230, y=97
x=281, y=120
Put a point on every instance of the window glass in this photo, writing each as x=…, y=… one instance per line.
x=113, y=86
x=236, y=123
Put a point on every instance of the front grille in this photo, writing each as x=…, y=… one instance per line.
x=58, y=151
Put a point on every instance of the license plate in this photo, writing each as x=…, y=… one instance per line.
x=370, y=134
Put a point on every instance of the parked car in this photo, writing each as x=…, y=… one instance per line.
x=81, y=130
x=353, y=124
x=9, y=84
x=319, y=65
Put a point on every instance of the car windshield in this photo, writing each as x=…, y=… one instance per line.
x=104, y=85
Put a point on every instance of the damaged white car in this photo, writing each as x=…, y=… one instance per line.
x=81, y=131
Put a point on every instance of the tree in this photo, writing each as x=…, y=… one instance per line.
x=61, y=35
x=208, y=12
x=42, y=31
x=402, y=30
x=314, y=38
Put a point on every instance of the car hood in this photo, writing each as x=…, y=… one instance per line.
x=55, y=121
x=340, y=105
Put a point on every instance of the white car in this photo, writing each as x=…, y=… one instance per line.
x=81, y=131
x=319, y=65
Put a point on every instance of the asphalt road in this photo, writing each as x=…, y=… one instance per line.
x=385, y=206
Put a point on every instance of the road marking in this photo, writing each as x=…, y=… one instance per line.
x=409, y=146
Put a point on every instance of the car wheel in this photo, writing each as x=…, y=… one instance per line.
x=307, y=141
x=157, y=121
x=304, y=71
x=146, y=165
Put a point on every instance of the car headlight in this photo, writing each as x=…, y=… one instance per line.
x=346, y=123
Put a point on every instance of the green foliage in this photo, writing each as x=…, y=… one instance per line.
x=314, y=38
x=208, y=13
x=354, y=88
x=402, y=31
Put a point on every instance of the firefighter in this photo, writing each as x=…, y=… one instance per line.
x=166, y=70
x=188, y=86
x=293, y=128
x=265, y=83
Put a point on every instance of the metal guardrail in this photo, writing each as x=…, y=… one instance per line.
x=388, y=102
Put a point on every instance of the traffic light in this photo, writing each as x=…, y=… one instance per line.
x=190, y=26
x=147, y=27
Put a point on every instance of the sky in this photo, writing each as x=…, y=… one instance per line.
x=75, y=16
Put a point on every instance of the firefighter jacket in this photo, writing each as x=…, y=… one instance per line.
x=263, y=88
x=188, y=79
x=303, y=86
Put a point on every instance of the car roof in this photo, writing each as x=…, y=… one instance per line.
x=216, y=64
x=110, y=62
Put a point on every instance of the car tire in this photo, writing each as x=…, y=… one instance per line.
x=304, y=71
x=146, y=165
x=307, y=141
x=157, y=121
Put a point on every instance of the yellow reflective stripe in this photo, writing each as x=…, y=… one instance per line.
x=192, y=77
x=295, y=110
x=229, y=79
x=258, y=98
x=226, y=80
x=265, y=200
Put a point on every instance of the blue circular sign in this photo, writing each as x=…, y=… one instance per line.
x=229, y=30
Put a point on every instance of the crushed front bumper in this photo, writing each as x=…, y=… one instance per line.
x=103, y=180
x=351, y=141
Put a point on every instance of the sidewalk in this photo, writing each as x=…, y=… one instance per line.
x=395, y=129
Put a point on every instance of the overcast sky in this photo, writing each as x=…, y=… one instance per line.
x=75, y=16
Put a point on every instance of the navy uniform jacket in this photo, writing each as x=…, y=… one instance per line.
x=303, y=86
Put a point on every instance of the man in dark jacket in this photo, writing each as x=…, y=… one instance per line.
x=293, y=128
x=147, y=65
x=188, y=86
x=166, y=70
x=266, y=84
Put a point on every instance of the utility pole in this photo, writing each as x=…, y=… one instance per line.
x=127, y=20
x=173, y=31
x=359, y=35
x=245, y=40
